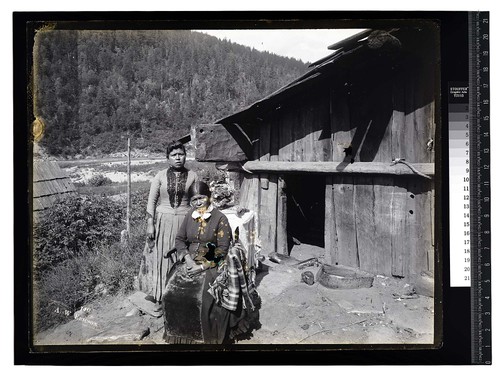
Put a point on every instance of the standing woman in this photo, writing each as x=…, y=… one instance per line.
x=191, y=313
x=168, y=203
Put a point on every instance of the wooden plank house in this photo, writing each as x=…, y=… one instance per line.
x=319, y=157
x=50, y=183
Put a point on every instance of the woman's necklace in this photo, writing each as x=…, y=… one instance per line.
x=176, y=185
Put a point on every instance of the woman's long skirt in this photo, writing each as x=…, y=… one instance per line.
x=190, y=312
x=154, y=263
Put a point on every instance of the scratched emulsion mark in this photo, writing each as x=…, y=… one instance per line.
x=38, y=129
x=38, y=126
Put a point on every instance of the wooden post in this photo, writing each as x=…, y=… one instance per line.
x=128, y=187
x=281, y=235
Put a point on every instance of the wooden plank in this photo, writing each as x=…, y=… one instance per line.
x=338, y=168
x=365, y=222
x=36, y=172
x=37, y=205
x=345, y=220
x=382, y=195
x=323, y=139
x=410, y=138
x=264, y=151
x=383, y=122
x=307, y=116
x=398, y=121
x=414, y=228
x=36, y=190
x=331, y=248
x=42, y=189
x=298, y=134
x=274, y=144
x=268, y=215
x=419, y=225
x=281, y=230
x=243, y=196
x=212, y=142
x=425, y=112
x=340, y=124
x=398, y=229
x=250, y=193
x=373, y=217
x=285, y=138
x=359, y=107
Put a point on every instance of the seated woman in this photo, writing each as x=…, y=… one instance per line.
x=191, y=313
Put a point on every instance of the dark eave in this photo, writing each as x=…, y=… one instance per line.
x=353, y=45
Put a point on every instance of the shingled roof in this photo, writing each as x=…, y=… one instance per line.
x=50, y=183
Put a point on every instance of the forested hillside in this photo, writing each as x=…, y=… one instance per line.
x=92, y=87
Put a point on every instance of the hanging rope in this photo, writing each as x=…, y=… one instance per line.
x=402, y=161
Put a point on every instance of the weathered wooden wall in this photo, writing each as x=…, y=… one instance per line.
x=381, y=223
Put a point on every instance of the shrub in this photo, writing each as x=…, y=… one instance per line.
x=77, y=254
x=99, y=180
x=62, y=290
x=74, y=226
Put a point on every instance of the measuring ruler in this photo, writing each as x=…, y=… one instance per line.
x=480, y=236
x=469, y=190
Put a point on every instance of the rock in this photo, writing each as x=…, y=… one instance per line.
x=346, y=305
x=305, y=326
x=144, y=333
x=273, y=258
x=120, y=330
x=100, y=289
x=134, y=311
x=308, y=277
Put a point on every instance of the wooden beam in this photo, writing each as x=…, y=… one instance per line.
x=337, y=168
x=212, y=142
x=351, y=40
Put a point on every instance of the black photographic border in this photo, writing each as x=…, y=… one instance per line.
x=452, y=305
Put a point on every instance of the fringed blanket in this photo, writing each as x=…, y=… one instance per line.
x=231, y=284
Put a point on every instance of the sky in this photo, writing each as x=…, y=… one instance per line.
x=308, y=45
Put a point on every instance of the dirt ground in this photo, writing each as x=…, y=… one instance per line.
x=291, y=312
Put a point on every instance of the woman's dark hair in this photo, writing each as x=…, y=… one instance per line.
x=174, y=145
x=199, y=187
